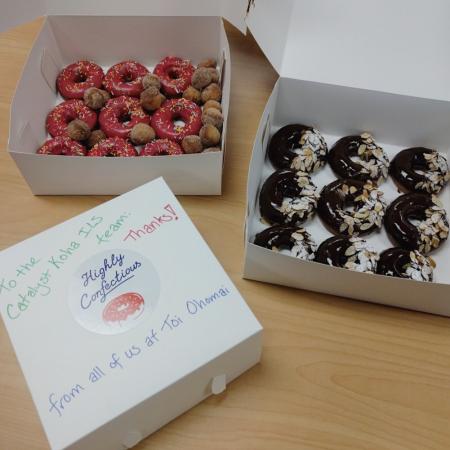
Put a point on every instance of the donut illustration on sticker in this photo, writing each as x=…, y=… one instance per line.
x=125, y=306
x=114, y=291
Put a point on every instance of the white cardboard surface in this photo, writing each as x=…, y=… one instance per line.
x=392, y=46
x=20, y=11
x=64, y=39
x=397, y=122
x=115, y=388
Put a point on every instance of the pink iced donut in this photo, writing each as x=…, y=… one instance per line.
x=62, y=145
x=120, y=115
x=177, y=109
x=113, y=146
x=65, y=112
x=161, y=147
x=74, y=79
x=175, y=75
x=125, y=78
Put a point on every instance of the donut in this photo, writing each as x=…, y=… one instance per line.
x=161, y=147
x=74, y=79
x=292, y=241
x=177, y=109
x=62, y=145
x=402, y=263
x=288, y=197
x=367, y=207
x=429, y=229
x=298, y=147
x=120, y=115
x=62, y=114
x=175, y=75
x=420, y=169
x=113, y=146
x=349, y=253
x=123, y=307
x=372, y=163
x=125, y=78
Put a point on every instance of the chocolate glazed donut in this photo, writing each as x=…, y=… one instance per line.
x=401, y=263
x=297, y=241
x=298, y=147
x=373, y=164
x=431, y=230
x=287, y=197
x=349, y=253
x=368, y=207
x=332, y=251
x=420, y=169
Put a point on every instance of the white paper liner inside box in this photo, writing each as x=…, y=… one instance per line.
x=397, y=122
x=122, y=319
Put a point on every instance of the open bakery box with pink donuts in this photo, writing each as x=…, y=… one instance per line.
x=108, y=33
x=359, y=85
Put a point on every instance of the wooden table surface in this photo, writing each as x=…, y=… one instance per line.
x=335, y=373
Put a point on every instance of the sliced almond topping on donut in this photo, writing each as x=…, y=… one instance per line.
x=343, y=227
x=366, y=226
x=350, y=251
x=352, y=189
x=362, y=148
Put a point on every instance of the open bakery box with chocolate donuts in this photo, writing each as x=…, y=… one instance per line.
x=109, y=32
x=352, y=68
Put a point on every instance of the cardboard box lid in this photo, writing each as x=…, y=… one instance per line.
x=399, y=46
x=112, y=307
x=21, y=11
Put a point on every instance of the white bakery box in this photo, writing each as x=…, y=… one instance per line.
x=111, y=348
x=347, y=67
x=108, y=32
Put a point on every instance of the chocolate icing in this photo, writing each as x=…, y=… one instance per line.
x=402, y=263
x=406, y=164
x=283, y=237
x=349, y=253
x=373, y=164
x=284, y=143
x=431, y=230
x=365, y=199
x=284, y=184
x=332, y=251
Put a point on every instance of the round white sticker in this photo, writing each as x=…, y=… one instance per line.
x=114, y=291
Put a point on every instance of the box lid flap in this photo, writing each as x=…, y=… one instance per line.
x=21, y=11
x=388, y=46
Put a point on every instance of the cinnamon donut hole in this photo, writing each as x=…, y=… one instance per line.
x=142, y=134
x=192, y=144
x=192, y=94
x=209, y=135
x=95, y=137
x=201, y=78
x=207, y=62
x=212, y=104
x=78, y=130
x=151, y=80
x=95, y=98
x=212, y=92
x=151, y=99
x=214, y=117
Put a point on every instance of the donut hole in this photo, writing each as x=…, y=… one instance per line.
x=124, y=118
x=173, y=73
x=178, y=121
x=128, y=77
x=80, y=77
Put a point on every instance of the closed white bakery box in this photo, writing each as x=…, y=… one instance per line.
x=347, y=67
x=121, y=319
x=109, y=32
